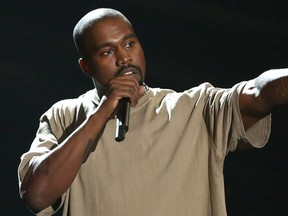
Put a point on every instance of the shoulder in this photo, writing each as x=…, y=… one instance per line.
x=203, y=93
x=73, y=106
x=202, y=89
x=207, y=90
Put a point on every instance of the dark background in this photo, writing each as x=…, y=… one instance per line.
x=185, y=43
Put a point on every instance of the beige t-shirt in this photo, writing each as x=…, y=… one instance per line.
x=170, y=163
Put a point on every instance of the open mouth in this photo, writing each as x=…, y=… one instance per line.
x=131, y=69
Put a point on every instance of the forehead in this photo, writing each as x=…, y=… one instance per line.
x=109, y=29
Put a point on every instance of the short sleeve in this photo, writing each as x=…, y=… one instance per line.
x=224, y=123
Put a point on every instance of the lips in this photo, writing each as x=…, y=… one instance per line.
x=128, y=70
x=131, y=69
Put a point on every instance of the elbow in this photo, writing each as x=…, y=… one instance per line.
x=33, y=195
x=39, y=199
x=36, y=203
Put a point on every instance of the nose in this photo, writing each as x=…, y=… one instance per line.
x=123, y=57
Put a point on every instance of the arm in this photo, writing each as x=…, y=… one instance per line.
x=51, y=174
x=262, y=95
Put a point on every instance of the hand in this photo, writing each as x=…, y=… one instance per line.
x=124, y=86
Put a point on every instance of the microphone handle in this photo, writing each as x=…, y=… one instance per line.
x=122, y=119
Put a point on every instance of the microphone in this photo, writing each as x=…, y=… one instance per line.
x=122, y=119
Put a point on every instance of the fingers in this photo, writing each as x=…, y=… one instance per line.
x=124, y=86
x=142, y=90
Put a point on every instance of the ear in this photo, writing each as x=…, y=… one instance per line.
x=84, y=66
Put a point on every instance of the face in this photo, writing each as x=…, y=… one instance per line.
x=112, y=49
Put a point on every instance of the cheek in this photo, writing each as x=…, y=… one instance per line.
x=104, y=73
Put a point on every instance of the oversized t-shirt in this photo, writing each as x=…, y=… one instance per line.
x=170, y=163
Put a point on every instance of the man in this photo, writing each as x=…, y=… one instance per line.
x=171, y=161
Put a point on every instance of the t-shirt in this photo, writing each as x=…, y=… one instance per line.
x=170, y=163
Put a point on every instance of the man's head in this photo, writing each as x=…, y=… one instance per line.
x=108, y=46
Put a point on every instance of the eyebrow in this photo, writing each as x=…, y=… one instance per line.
x=105, y=44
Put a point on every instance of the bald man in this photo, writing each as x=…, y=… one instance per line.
x=171, y=161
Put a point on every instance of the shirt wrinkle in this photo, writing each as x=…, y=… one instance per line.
x=177, y=141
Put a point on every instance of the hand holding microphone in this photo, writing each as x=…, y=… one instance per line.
x=122, y=117
x=124, y=104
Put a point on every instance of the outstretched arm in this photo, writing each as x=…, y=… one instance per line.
x=262, y=95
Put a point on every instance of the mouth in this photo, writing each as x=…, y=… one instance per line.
x=129, y=70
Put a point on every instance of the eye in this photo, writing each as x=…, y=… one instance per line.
x=107, y=52
x=129, y=44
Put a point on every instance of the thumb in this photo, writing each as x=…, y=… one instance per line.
x=142, y=90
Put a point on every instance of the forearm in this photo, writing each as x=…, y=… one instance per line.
x=273, y=88
x=50, y=175
x=262, y=95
